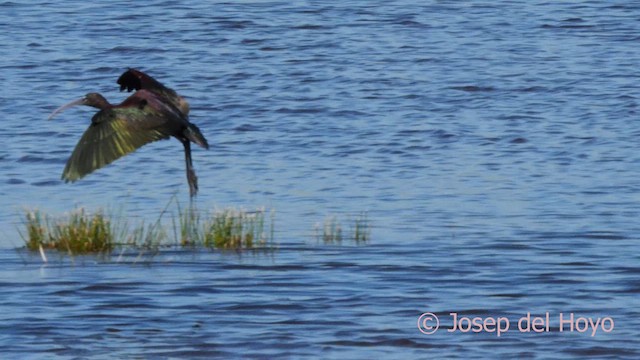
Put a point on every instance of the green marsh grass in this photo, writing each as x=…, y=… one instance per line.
x=360, y=228
x=190, y=229
x=237, y=229
x=331, y=231
x=227, y=229
x=81, y=232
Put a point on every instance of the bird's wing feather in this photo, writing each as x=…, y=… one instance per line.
x=112, y=134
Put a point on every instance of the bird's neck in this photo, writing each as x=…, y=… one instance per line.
x=99, y=102
x=103, y=105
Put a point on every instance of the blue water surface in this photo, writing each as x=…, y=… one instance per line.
x=493, y=145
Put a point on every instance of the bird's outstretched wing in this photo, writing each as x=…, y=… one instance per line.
x=134, y=79
x=113, y=133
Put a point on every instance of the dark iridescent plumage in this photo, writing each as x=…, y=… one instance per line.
x=152, y=113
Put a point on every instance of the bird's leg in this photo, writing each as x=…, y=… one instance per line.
x=191, y=174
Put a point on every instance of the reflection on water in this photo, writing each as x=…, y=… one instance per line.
x=492, y=146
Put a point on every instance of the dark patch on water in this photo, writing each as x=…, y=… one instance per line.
x=46, y=183
x=519, y=140
x=38, y=159
x=246, y=128
x=473, y=88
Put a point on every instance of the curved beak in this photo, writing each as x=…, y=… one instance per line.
x=62, y=108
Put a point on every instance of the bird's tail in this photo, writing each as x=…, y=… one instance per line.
x=194, y=135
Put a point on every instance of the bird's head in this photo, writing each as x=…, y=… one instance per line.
x=91, y=99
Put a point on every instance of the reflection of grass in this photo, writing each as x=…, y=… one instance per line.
x=331, y=231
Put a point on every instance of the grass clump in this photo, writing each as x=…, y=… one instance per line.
x=235, y=229
x=146, y=236
x=361, y=229
x=77, y=233
x=190, y=229
x=331, y=231
x=81, y=232
x=228, y=229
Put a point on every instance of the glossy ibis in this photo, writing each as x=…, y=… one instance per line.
x=153, y=112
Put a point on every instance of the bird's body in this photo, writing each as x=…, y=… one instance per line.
x=154, y=112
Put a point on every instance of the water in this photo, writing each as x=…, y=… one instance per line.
x=494, y=146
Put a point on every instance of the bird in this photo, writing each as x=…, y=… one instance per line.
x=153, y=112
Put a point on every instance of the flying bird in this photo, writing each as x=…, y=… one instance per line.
x=153, y=112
